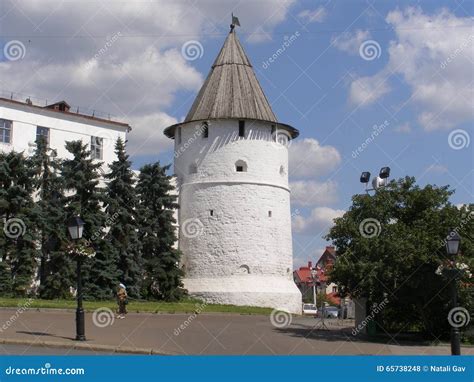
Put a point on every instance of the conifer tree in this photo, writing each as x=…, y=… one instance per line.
x=17, y=239
x=56, y=272
x=157, y=234
x=122, y=219
x=81, y=179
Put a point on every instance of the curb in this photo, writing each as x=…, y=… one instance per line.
x=85, y=346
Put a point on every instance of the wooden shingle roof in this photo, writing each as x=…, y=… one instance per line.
x=231, y=91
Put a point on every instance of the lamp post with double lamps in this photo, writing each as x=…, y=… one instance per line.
x=75, y=226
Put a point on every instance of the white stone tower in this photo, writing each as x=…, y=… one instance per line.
x=231, y=163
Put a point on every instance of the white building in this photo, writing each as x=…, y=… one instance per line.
x=231, y=164
x=22, y=122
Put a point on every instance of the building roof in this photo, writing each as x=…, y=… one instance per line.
x=50, y=108
x=304, y=274
x=231, y=91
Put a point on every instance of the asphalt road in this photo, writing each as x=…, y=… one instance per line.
x=198, y=334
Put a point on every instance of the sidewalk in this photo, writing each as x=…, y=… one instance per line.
x=145, y=333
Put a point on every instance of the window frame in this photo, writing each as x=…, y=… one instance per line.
x=42, y=135
x=94, y=147
x=4, y=129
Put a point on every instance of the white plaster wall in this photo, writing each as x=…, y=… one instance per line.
x=240, y=254
x=63, y=127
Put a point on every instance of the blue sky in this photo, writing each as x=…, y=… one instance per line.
x=324, y=83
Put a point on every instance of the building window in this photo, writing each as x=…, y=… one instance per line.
x=211, y=212
x=269, y=214
x=42, y=132
x=5, y=131
x=240, y=166
x=241, y=128
x=282, y=170
x=273, y=133
x=193, y=168
x=334, y=289
x=97, y=145
x=205, y=130
x=178, y=135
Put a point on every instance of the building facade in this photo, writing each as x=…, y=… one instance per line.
x=21, y=123
x=231, y=165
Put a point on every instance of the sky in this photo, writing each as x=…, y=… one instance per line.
x=368, y=83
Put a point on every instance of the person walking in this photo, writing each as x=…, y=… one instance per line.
x=122, y=301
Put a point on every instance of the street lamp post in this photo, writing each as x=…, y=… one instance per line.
x=313, y=276
x=452, y=248
x=75, y=226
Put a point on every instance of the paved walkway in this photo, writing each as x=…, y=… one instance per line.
x=190, y=334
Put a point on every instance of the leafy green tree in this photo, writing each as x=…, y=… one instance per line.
x=121, y=209
x=56, y=272
x=17, y=241
x=391, y=244
x=86, y=199
x=157, y=233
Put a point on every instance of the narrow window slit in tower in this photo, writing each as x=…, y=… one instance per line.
x=241, y=128
x=211, y=212
x=205, y=130
x=269, y=214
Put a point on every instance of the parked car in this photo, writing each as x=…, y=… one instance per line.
x=310, y=310
x=331, y=312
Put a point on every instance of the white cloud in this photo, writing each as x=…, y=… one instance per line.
x=350, y=41
x=309, y=159
x=403, y=128
x=310, y=192
x=436, y=169
x=319, y=221
x=123, y=59
x=434, y=55
x=366, y=90
x=313, y=16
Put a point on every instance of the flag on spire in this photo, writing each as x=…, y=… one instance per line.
x=235, y=21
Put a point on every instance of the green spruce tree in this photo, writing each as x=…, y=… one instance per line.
x=122, y=219
x=56, y=271
x=17, y=240
x=157, y=234
x=86, y=199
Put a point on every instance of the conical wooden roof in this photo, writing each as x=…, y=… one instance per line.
x=231, y=89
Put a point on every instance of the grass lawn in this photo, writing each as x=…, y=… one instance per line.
x=185, y=306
